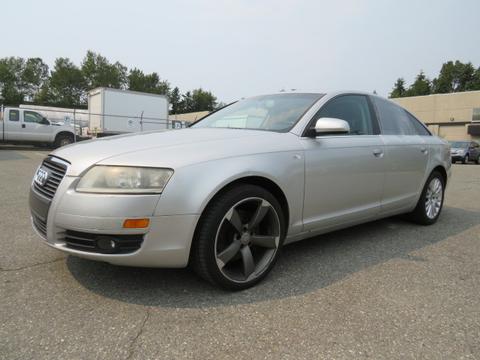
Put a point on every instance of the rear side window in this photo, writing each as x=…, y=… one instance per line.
x=394, y=120
x=354, y=109
x=13, y=115
x=419, y=127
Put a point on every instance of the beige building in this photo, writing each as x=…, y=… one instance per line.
x=188, y=117
x=454, y=116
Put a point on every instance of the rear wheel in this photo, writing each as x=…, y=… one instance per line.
x=477, y=160
x=430, y=203
x=239, y=238
x=63, y=140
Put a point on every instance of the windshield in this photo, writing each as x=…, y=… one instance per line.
x=269, y=112
x=459, y=144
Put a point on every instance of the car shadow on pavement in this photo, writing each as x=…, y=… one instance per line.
x=303, y=267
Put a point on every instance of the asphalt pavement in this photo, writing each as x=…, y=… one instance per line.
x=384, y=290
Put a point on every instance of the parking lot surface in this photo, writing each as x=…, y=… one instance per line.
x=384, y=290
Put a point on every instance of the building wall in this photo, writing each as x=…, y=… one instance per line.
x=447, y=115
x=188, y=117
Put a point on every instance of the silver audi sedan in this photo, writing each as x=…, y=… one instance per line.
x=227, y=193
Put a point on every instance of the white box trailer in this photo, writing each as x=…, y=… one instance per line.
x=113, y=111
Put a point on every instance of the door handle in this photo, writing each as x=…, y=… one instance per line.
x=378, y=153
x=424, y=150
x=23, y=126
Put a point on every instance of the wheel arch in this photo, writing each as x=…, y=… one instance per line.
x=258, y=180
x=442, y=171
x=63, y=132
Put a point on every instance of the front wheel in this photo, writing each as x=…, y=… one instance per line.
x=239, y=237
x=430, y=203
x=477, y=160
x=465, y=159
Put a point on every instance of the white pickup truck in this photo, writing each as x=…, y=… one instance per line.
x=22, y=126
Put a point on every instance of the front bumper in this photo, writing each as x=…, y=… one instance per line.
x=166, y=242
x=457, y=157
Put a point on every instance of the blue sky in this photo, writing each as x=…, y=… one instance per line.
x=243, y=48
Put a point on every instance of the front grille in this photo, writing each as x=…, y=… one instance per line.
x=56, y=172
x=39, y=224
x=89, y=242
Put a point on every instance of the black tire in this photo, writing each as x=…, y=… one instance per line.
x=477, y=160
x=466, y=159
x=204, y=254
x=63, y=140
x=419, y=214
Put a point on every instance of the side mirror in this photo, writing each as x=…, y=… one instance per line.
x=325, y=126
x=45, y=122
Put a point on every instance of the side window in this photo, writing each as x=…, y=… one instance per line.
x=354, y=109
x=13, y=115
x=394, y=120
x=417, y=125
x=32, y=117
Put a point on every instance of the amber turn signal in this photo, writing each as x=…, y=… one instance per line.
x=136, y=223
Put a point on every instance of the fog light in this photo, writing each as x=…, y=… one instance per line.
x=106, y=244
x=136, y=223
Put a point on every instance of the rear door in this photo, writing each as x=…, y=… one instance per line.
x=406, y=156
x=344, y=174
x=13, y=125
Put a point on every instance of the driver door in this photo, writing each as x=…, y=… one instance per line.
x=344, y=174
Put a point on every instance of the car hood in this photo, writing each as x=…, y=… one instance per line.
x=172, y=148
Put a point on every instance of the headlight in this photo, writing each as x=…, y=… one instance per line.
x=124, y=180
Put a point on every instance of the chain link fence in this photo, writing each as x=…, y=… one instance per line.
x=89, y=124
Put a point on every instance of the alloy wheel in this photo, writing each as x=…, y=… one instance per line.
x=247, y=239
x=433, y=198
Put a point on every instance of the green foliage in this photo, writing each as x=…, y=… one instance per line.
x=149, y=83
x=421, y=86
x=453, y=77
x=398, y=89
x=175, y=100
x=21, y=79
x=67, y=84
x=99, y=72
x=196, y=100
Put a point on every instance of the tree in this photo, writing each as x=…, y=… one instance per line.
x=98, y=72
x=454, y=77
x=203, y=100
x=34, y=77
x=398, y=89
x=11, y=69
x=186, y=104
x=149, y=83
x=67, y=85
x=421, y=86
x=175, y=100
x=475, y=84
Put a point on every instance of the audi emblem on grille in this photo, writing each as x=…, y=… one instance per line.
x=41, y=177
